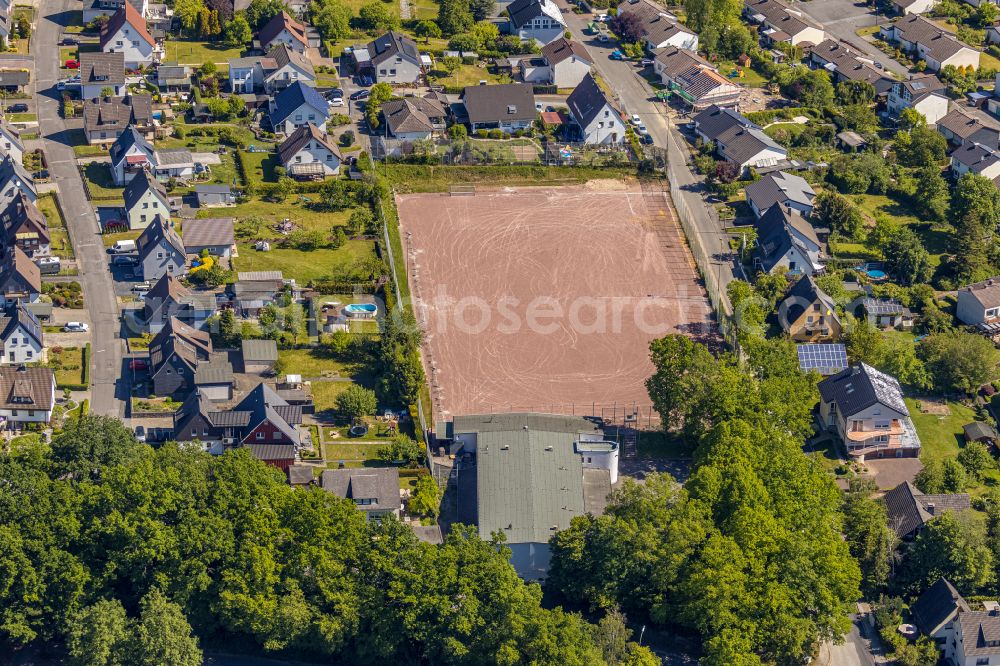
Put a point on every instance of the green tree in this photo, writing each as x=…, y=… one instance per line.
x=897, y=356
x=933, y=193
x=482, y=9
x=428, y=30
x=855, y=92
x=380, y=94
x=259, y=12
x=237, y=32
x=356, y=401
x=953, y=545
x=839, y=214
x=361, y=221
x=959, y=361
x=163, y=635
x=187, y=12
x=401, y=448
x=910, y=118
x=976, y=460
x=485, y=33
x=987, y=15
x=91, y=442
x=99, y=635
x=975, y=201
x=454, y=16
x=377, y=17
x=920, y=147
x=906, y=256
x=871, y=540
x=865, y=343
x=426, y=498
x=332, y=18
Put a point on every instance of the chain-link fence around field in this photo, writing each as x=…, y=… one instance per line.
x=523, y=150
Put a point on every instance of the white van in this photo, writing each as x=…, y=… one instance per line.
x=123, y=246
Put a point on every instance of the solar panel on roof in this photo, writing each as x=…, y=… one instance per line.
x=827, y=358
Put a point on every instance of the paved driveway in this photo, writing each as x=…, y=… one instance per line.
x=854, y=651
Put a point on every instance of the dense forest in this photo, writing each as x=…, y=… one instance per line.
x=112, y=552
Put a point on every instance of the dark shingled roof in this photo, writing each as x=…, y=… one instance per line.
x=774, y=235
x=807, y=291
x=977, y=430
x=300, y=475
x=380, y=484
x=159, y=229
x=980, y=633
x=263, y=403
x=940, y=44
x=938, y=604
x=294, y=96
x=713, y=121
x=556, y=51
x=860, y=387
x=19, y=316
x=99, y=68
x=779, y=187
x=393, y=44
x=177, y=338
x=111, y=114
x=26, y=388
x=22, y=218
x=491, y=104
x=587, y=101
x=298, y=139
x=909, y=509
x=259, y=350
x=139, y=185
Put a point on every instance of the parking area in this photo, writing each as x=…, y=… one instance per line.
x=65, y=339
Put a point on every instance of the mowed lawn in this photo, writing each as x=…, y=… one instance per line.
x=941, y=437
x=935, y=240
x=302, y=213
x=312, y=363
x=465, y=75
x=193, y=52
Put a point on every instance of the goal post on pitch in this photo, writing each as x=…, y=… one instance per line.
x=462, y=190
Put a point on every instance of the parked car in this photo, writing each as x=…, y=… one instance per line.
x=645, y=62
x=142, y=286
x=602, y=18
x=641, y=129
x=336, y=101
x=635, y=119
x=48, y=265
x=333, y=93
x=122, y=246
x=138, y=364
x=361, y=94
x=617, y=55
x=17, y=108
x=140, y=434
x=647, y=139
x=72, y=64
x=75, y=327
x=69, y=41
x=124, y=260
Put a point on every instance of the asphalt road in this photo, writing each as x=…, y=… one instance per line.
x=854, y=651
x=81, y=221
x=636, y=96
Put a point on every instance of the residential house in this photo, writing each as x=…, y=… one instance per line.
x=105, y=119
x=20, y=279
x=660, y=29
x=101, y=71
x=145, y=198
x=161, y=250
x=174, y=355
x=886, y=313
x=374, y=490
x=272, y=431
x=14, y=80
x=975, y=639
x=509, y=106
x=14, y=179
x=172, y=77
x=414, y=118
x=694, y=80
x=788, y=243
x=979, y=303
x=254, y=289
x=283, y=29
x=395, y=58
x=965, y=124
x=975, y=158
x=808, y=314
x=905, y=7
x=934, y=611
x=540, y=21
x=289, y=66
x=168, y=298
x=779, y=187
x=544, y=460
x=923, y=93
x=296, y=106
x=94, y=8
x=246, y=75
x=259, y=356
x=737, y=139
x=27, y=395
x=780, y=22
x=10, y=142
x=930, y=43
x=850, y=142
x=595, y=114
x=173, y=163
x=24, y=225
x=565, y=64
x=984, y=433
x=214, y=195
x=909, y=510
x=130, y=154
x=214, y=234
x=21, y=335
x=126, y=33
x=846, y=64
x=309, y=152
x=865, y=408
x=214, y=379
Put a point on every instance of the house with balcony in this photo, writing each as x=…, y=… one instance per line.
x=540, y=21
x=107, y=118
x=979, y=304
x=808, y=314
x=864, y=407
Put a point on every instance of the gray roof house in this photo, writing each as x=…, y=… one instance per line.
x=174, y=355
x=21, y=336
x=374, y=490
x=533, y=474
x=975, y=638
x=145, y=198
x=310, y=153
x=595, y=114
x=106, y=118
x=297, y=105
x=259, y=356
x=659, y=28
x=909, y=509
x=787, y=242
x=865, y=408
x=161, y=250
x=509, y=106
x=173, y=77
x=737, y=139
x=395, y=58
x=414, y=118
x=99, y=71
x=214, y=234
x=214, y=195
x=169, y=298
x=939, y=605
x=782, y=188
x=979, y=304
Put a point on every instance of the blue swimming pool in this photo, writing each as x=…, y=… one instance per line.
x=360, y=310
x=873, y=271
